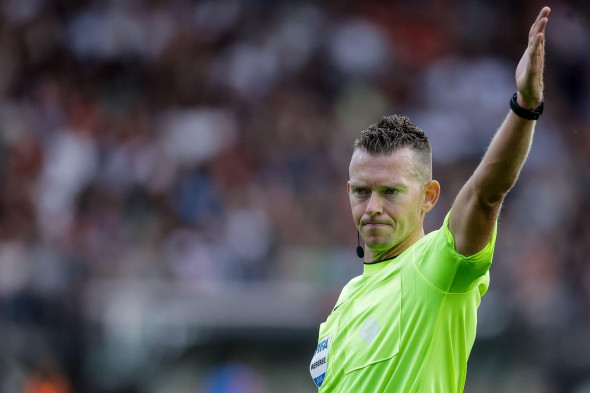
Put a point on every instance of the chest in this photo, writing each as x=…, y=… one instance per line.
x=364, y=329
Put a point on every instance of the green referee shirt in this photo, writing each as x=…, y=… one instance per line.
x=407, y=324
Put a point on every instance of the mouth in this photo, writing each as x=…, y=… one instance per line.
x=374, y=224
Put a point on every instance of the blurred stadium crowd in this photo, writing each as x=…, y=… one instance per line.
x=156, y=144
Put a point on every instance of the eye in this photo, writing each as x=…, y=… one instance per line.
x=360, y=191
x=391, y=191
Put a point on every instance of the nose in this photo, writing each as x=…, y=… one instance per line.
x=374, y=205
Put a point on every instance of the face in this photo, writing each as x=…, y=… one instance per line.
x=389, y=200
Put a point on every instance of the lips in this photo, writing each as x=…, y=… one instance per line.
x=373, y=224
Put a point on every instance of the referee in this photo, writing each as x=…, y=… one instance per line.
x=408, y=323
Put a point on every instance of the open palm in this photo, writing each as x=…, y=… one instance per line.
x=529, y=72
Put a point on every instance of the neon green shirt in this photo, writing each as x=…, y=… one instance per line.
x=407, y=324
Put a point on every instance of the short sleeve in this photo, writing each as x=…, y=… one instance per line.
x=473, y=267
x=449, y=270
x=483, y=255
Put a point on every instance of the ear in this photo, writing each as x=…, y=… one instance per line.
x=431, y=194
x=348, y=187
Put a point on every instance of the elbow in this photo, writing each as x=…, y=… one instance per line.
x=493, y=181
x=492, y=200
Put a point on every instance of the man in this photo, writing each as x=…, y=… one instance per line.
x=407, y=324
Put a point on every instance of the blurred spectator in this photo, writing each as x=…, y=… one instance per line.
x=195, y=145
x=45, y=378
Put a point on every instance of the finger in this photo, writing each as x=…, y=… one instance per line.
x=537, y=54
x=537, y=44
x=543, y=14
x=537, y=28
x=542, y=25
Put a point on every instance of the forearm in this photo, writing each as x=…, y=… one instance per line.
x=499, y=169
x=476, y=208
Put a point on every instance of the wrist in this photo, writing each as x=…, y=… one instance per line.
x=529, y=103
x=524, y=112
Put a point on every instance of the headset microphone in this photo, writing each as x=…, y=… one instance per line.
x=359, y=250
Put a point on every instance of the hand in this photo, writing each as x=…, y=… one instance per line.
x=529, y=72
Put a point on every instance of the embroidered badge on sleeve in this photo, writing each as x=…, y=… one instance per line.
x=319, y=362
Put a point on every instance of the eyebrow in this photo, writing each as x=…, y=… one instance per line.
x=394, y=185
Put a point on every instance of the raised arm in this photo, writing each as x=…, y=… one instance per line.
x=477, y=205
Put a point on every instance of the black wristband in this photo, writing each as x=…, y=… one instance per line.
x=529, y=114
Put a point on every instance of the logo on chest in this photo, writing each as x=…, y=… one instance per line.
x=369, y=330
x=319, y=363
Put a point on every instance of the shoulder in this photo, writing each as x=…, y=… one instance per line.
x=348, y=289
x=442, y=241
x=443, y=266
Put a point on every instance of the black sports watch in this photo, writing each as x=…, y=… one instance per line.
x=529, y=114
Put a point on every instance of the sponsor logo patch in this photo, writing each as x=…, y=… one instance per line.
x=369, y=330
x=319, y=362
